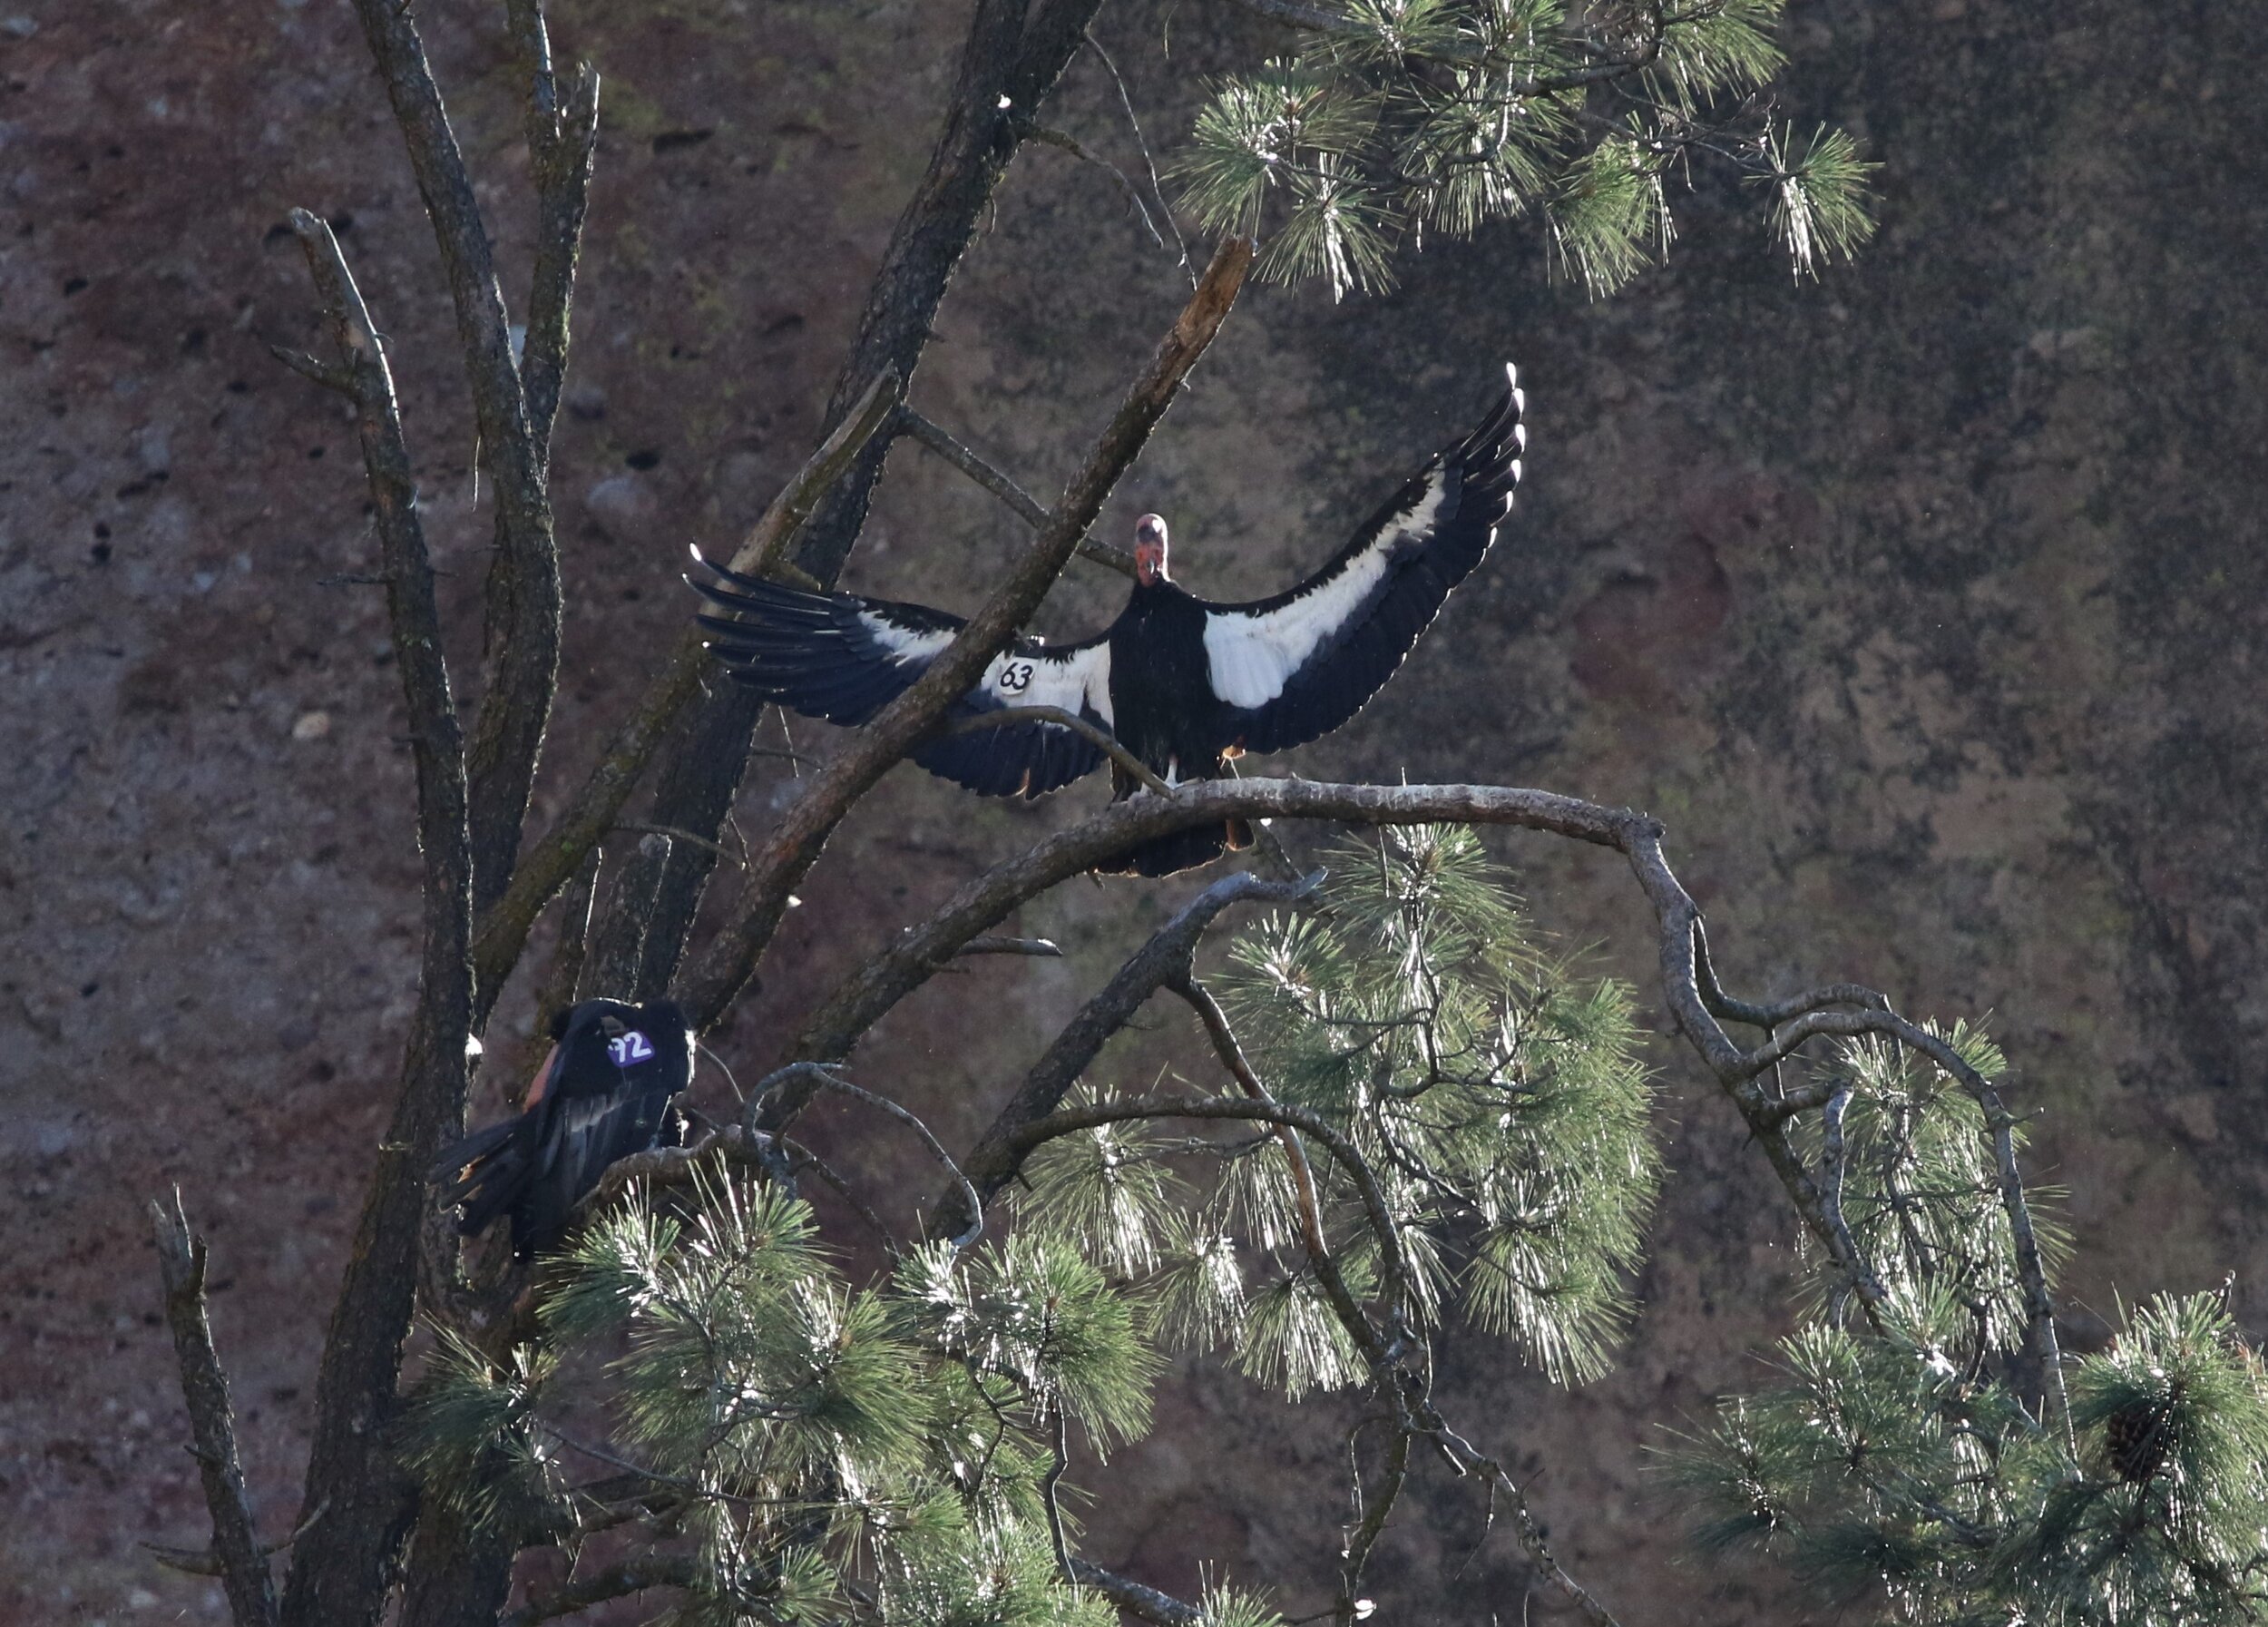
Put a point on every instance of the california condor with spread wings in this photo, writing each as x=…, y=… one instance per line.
x=1183, y=682
x=604, y=1093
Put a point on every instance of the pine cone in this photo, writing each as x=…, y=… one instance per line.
x=2136, y=1436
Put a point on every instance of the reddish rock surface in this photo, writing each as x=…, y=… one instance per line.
x=1923, y=602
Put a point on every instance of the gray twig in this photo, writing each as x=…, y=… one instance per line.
x=1026, y=506
x=1071, y=144
x=821, y=1076
x=1134, y=122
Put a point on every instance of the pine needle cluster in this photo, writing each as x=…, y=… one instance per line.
x=835, y=1454
x=1495, y=1096
x=1902, y=1465
x=1400, y=117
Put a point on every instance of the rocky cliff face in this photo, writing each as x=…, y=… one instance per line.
x=1922, y=602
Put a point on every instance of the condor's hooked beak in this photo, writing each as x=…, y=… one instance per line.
x=1150, y=550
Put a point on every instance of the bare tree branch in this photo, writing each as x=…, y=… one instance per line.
x=1377, y=1508
x=205, y=1562
x=523, y=615
x=813, y=1076
x=342, y=1577
x=562, y=143
x=795, y=844
x=1043, y=134
x=1157, y=188
x=1009, y=65
x=1011, y=57
x=239, y=1560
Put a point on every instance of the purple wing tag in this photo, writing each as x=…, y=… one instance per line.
x=633, y=1047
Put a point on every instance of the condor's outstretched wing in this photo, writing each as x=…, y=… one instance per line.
x=1288, y=668
x=844, y=657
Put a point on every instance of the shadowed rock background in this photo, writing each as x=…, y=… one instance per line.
x=1921, y=601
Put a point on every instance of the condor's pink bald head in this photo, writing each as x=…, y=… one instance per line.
x=1150, y=550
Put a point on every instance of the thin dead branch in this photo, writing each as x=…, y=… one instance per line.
x=1026, y=507
x=237, y=1556
x=812, y=1076
x=1141, y=143
x=913, y=957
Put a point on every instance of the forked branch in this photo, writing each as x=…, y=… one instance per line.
x=238, y=1559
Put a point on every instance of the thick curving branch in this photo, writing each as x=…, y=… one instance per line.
x=341, y=1577
x=794, y=846
x=913, y=957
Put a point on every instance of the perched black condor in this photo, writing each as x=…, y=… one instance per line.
x=1184, y=683
x=604, y=1093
